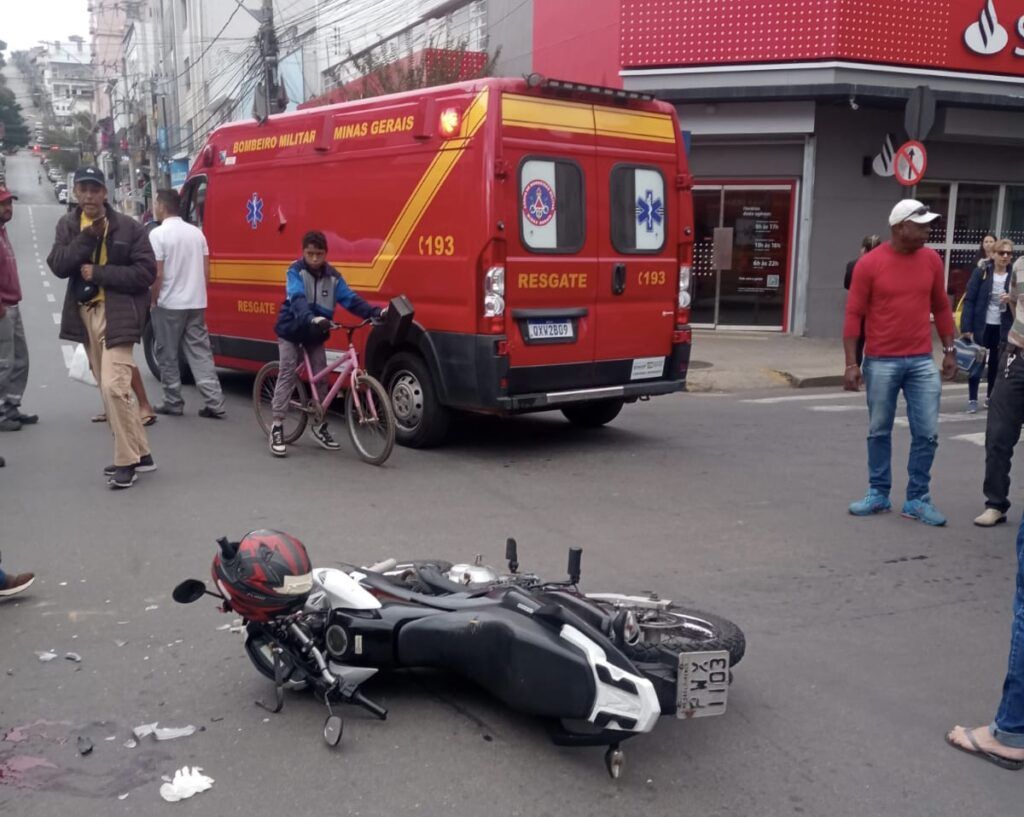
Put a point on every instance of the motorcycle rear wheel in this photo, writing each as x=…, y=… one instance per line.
x=666, y=633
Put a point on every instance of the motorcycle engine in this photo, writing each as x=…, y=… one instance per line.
x=471, y=574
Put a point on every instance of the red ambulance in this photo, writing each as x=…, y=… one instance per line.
x=542, y=229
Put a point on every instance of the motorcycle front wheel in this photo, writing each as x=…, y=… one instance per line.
x=258, y=648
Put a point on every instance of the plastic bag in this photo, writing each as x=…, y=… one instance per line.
x=79, y=369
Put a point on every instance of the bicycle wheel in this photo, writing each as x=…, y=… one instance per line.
x=295, y=417
x=371, y=422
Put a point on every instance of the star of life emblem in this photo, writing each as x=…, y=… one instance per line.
x=254, y=211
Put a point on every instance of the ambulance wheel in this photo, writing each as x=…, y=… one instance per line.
x=420, y=419
x=593, y=415
x=149, y=350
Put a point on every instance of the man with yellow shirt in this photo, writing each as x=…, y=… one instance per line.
x=108, y=263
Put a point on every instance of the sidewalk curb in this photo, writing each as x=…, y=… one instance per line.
x=814, y=381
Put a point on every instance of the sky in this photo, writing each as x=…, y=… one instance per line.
x=23, y=24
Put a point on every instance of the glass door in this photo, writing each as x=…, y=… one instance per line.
x=752, y=291
x=707, y=215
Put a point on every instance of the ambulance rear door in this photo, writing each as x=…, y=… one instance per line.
x=638, y=276
x=552, y=246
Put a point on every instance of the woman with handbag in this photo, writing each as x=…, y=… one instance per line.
x=985, y=319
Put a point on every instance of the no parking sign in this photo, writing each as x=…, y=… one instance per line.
x=910, y=163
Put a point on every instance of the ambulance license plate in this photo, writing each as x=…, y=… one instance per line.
x=702, y=684
x=549, y=330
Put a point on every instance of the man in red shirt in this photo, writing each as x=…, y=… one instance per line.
x=896, y=288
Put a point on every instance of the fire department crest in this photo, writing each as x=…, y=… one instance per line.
x=538, y=202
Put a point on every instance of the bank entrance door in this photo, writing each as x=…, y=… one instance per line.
x=751, y=290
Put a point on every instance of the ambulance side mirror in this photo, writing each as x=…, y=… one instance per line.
x=398, y=319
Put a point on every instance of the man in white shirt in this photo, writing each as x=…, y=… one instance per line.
x=179, y=308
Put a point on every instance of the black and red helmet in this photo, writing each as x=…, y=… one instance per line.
x=265, y=575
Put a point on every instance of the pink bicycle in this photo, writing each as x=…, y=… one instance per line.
x=368, y=414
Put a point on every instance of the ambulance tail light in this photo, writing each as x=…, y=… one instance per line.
x=494, y=292
x=684, y=298
x=492, y=268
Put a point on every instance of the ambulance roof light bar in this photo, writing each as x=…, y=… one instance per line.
x=536, y=80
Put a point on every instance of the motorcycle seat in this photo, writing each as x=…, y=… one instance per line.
x=453, y=601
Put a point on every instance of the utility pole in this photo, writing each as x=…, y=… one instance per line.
x=274, y=99
x=154, y=141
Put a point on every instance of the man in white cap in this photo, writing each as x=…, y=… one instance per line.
x=896, y=288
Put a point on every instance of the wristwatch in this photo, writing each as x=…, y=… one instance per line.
x=949, y=350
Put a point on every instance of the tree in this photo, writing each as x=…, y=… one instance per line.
x=395, y=66
x=15, y=129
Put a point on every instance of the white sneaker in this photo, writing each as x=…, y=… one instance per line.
x=277, y=447
x=989, y=518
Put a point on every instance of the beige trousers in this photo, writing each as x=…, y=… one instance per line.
x=113, y=371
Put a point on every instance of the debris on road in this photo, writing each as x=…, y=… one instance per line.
x=73, y=656
x=163, y=733
x=84, y=745
x=46, y=655
x=186, y=783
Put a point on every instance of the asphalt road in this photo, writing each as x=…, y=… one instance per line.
x=867, y=638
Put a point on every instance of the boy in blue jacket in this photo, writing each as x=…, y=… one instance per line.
x=313, y=288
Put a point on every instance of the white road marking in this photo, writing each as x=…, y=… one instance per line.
x=792, y=398
x=56, y=318
x=46, y=283
x=977, y=438
x=51, y=297
x=68, y=350
x=959, y=417
x=837, y=409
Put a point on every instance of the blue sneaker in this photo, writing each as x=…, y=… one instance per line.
x=873, y=502
x=923, y=511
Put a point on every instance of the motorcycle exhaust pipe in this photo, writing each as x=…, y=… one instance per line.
x=384, y=566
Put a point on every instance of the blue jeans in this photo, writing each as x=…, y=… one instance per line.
x=919, y=379
x=1008, y=727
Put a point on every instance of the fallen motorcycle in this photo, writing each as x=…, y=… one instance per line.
x=599, y=667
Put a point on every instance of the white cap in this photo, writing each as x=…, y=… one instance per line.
x=911, y=210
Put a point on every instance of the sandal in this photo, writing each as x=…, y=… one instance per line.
x=1002, y=762
x=148, y=419
x=98, y=418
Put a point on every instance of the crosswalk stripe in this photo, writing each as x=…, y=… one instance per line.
x=845, y=395
x=945, y=417
x=56, y=318
x=978, y=438
x=68, y=350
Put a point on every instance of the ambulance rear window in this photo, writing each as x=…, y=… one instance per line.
x=637, y=209
x=551, y=205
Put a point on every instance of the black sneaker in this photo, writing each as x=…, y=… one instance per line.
x=124, y=477
x=277, y=446
x=212, y=413
x=323, y=436
x=25, y=419
x=143, y=466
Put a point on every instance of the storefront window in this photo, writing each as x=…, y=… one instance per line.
x=1013, y=216
x=707, y=215
x=975, y=213
x=970, y=211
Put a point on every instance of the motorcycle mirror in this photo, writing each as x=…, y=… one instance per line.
x=511, y=555
x=575, y=556
x=333, y=727
x=189, y=591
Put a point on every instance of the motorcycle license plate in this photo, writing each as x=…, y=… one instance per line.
x=702, y=684
x=549, y=330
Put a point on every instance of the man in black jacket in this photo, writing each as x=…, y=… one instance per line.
x=108, y=263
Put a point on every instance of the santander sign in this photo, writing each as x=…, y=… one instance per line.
x=987, y=37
